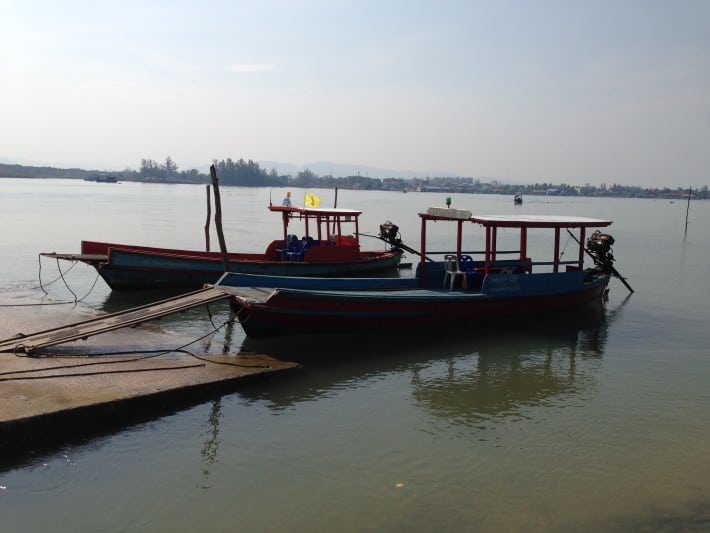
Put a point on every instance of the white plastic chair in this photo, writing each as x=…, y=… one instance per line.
x=453, y=271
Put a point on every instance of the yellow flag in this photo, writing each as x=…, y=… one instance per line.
x=311, y=200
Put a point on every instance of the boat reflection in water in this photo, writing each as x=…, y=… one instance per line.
x=462, y=374
x=530, y=368
x=497, y=379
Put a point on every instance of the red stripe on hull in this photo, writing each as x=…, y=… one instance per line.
x=295, y=313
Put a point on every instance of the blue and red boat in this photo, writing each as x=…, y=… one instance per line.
x=465, y=286
x=329, y=246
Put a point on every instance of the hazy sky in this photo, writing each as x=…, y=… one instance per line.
x=563, y=91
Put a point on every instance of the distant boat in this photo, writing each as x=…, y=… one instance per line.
x=518, y=199
x=324, y=250
x=101, y=178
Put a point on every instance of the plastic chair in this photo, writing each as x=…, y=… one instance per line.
x=293, y=248
x=466, y=263
x=473, y=278
x=292, y=243
x=306, y=243
x=453, y=271
x=288, y=247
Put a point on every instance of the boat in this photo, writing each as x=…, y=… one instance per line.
x=101, y=177
x=518, y=199
x=325, y=249
x=456, y=289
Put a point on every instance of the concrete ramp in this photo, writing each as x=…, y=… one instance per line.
x=130, y=317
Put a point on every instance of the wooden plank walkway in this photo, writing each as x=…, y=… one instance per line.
x=129, y=317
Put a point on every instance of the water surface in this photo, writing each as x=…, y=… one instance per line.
x=586, y=421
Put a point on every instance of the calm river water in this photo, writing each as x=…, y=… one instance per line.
x=590, y=422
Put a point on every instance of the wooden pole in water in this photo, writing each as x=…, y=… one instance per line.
x=335, y=206
x=207, y=223
x=687, y=209
x=218, y=218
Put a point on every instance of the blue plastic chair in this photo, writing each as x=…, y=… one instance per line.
x=293, y=248
x=305, y=245
x=467, y=264
x=468, y=267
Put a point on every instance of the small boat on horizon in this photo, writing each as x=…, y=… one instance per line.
x=102, y=177
x=518, y=199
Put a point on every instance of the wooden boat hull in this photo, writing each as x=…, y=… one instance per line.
x=136, y=269
x=292, y=311
x=459, y=289
x=325, y=249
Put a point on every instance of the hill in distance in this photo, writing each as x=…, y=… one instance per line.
x=324, y=168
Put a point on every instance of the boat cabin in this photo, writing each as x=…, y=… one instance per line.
x=473, y=266
x=325, y=231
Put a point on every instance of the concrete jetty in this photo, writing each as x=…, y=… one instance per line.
x=51, y=393
x=45, y=400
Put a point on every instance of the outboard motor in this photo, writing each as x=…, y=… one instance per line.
x=389, y=232
x=599, y=247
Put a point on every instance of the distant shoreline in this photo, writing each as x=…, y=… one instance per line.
x=444, y=185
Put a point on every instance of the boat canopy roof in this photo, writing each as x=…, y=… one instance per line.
x=515, y=221
x=316, y=211
x=539, y=221
x=322, y=222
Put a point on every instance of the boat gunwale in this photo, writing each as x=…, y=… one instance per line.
x=405, y=293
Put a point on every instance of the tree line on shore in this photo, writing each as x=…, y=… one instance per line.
x=250, y=174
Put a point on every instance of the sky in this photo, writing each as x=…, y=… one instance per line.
x=564, y=91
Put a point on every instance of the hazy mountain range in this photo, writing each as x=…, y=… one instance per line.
x=324, y=168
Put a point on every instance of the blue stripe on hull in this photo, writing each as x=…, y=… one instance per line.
x=294, y=312
x=192, y=273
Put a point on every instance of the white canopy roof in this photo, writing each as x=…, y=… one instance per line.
x=539, y=221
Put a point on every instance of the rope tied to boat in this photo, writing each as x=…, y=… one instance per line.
x=61, y=276
x=19, y=350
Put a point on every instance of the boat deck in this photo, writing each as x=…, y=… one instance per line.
x=255, y=294
x=261, y=294
x=86, y=258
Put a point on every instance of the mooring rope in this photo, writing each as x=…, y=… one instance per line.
x=39, y=275
x=154, y=354
x=102, y=372
x=61, y=276
x=564, y=248
x=66, y=284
